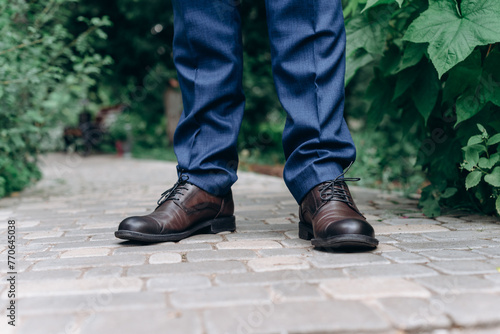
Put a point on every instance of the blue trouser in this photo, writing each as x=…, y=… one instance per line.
x=307, y=47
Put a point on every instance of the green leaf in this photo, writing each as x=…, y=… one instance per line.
x=475, y=140
x=452, y=37
x=472, y=153
x=363, y=33
x=354, y=62
x=404, y=81
x=468, y=105
x=412, y=55
x=497, y=205
x=493, y=178
x=487, y=163
x=373, y=3
x=495, y=139
x=425, y=91
x=473, y=179
x=449, y=192
x=465, y=75
x=482, y=129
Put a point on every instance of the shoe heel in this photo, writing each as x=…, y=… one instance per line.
x=305, y=232
x=223, y=225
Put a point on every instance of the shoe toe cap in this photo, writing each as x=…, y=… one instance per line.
x=350, y=226
x=139, y=224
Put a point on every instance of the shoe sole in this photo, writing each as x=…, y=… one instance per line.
x=213, y=226
x=344, y=241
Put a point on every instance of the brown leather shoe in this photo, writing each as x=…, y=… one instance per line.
x=330, y=218
x=182, y=211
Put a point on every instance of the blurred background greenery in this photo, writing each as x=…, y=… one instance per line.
x=414, y=91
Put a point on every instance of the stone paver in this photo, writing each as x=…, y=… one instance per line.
x=438, y=276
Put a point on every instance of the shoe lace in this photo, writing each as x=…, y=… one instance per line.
x=334, y=190
x=170, y=194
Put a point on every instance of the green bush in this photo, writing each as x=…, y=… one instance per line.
x=45, y=73
x=433, y=75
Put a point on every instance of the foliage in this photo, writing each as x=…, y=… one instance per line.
x=45, y=73
x=433, y=77
x=482, y=161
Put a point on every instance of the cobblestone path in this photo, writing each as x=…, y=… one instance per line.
x=435, y=276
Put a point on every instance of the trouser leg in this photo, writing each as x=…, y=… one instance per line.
x=208, y=57
x=308, y=59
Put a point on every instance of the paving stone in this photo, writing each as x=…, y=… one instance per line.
x=328, y=260
x=295, y=292
x=58, y=240
x=202, y=238
x=285, y=252
x=41, y=256
x=447, y=285
x=474, y=309
x=409, y=221
x=93, y=302
x=493, y=277
x=410, y=228
x=163, y=247
x=490, y=330
x=471, y=226
x=79, y=286
x=220, y=297
x=43, y=234
x=281, y=220
x=94, y=261
x=178, y=282
x=452, y=255
x=414, y=313
x=208, y=267
x=221, y=255
x=140, y=321
x=278, y=263
x=85, y=252
x=296, y=243
x=255, y=236
x=46, y=324
x=248, y=244
x=85, y=244
x=165, y=258
x=405, y=257
x=461, y=235
x=373, y=287
x=467, y=267
x=283, y=276
x=261, y=227
x=493, y=252
x=104, y=272
x=396, y=270
x=385, y=248
x=446, y=219
x=409, y=238
x=49, y=275
x=323, y=317
x=383, y=239
x=438, y=245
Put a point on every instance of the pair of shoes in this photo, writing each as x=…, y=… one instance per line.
x=328, y=217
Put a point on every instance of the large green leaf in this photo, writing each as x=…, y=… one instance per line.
x=425, y=91
x=363, y=33
x=452, y=37
x=465, y=75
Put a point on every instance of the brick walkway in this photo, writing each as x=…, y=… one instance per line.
x=428, y=275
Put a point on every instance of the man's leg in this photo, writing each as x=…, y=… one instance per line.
x=208, y=58
x=209, y=61
x=308, y=51
x=307, y=45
